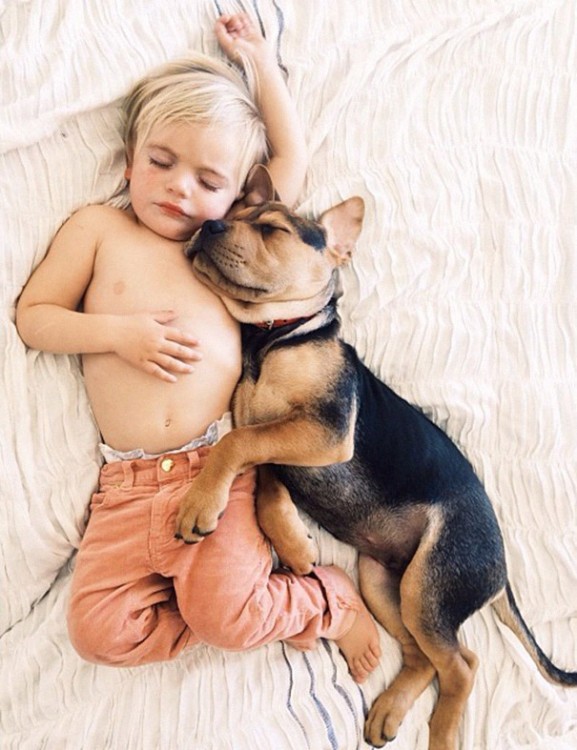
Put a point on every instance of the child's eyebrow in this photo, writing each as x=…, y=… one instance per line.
x=162, y=147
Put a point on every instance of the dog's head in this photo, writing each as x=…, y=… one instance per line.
x=268, y=263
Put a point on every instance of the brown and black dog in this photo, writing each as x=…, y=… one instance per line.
x=365, y=464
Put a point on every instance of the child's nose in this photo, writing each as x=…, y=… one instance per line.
x=182, y=183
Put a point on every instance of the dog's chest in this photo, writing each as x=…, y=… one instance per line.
x=276, y=384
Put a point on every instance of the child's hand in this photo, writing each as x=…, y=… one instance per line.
x=239, y=36
x=146, y=341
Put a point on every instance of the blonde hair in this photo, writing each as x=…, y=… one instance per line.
x=198, y=90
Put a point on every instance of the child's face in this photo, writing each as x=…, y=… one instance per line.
x=181, y=175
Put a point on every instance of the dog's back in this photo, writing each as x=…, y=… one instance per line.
x=403, y=467
x=366, y=465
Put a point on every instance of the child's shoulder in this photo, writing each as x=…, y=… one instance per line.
x=99, y=214
x=95, y=222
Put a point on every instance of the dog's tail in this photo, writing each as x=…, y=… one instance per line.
x=508, y=612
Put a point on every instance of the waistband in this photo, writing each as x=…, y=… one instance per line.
x=154, y=472
x=213, y=433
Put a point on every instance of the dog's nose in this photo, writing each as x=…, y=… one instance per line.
x=214, y=226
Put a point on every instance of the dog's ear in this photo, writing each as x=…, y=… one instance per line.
x=258, y=189
x=343, y=225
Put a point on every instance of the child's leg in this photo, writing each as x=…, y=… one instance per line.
x=231, y=599
x=124, y=610
x=121, y=611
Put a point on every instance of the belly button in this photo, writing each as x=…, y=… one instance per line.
x=119, y=287
x=167, y=422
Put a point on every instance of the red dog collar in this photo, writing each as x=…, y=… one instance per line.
x=268, y=325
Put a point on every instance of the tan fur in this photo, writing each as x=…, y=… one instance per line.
x=271, y=264
x=275, y=424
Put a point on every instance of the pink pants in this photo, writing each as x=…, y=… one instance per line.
x=139, y=595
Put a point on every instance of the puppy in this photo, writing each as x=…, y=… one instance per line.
x=360, y=460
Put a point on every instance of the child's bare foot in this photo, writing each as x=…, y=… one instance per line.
x=360, y=645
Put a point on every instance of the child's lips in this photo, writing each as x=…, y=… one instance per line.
x=173, y=210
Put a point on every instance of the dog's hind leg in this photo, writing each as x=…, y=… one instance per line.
x=455, y=666
x=428, y=593
x=380, y=589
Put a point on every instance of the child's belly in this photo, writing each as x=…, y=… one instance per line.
x=134, y=409
x=137, y=410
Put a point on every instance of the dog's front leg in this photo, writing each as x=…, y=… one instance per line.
x=207, y=498
x=278, y=517
x=295, y=440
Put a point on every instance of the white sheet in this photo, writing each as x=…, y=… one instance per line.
x=457, y=122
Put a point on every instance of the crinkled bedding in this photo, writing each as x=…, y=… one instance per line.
x=457, y=123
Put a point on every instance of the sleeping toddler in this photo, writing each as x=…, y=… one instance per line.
x=161, y=357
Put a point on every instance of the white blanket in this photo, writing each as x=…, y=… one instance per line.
x=457, y=123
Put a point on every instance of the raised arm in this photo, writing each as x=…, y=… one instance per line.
x=243, y=43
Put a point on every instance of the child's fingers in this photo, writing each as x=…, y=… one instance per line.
x=180, y=337
x=181, y=352
x=172, y=364
x=167, y=368
x=153, y=369
x=226, y=25
x=233, y=26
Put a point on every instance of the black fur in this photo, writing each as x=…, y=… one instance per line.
x=401, y=460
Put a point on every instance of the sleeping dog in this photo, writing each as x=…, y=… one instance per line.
x=365, y=464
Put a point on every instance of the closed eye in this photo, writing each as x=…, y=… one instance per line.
x=158, y=163
x=267, y=229
x=211, y=187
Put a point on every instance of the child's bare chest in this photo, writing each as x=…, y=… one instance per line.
x=136, y=278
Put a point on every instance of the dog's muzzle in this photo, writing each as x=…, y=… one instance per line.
x=210, y=229
x=213, y=226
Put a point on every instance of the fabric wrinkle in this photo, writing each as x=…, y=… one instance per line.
x=139, y=594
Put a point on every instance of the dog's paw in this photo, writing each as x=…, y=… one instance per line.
x=198, y=516
x=298, y=553
x=390, y=708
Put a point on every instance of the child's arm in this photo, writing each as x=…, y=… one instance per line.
x=47, y=316
x=239, y=37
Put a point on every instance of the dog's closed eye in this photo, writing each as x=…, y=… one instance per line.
x=268, y=229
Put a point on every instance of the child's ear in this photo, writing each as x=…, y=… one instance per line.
x=128, y=168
